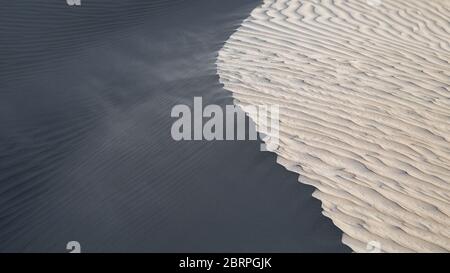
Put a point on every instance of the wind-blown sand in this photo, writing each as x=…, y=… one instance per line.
x=86, y=152
x=365, y=110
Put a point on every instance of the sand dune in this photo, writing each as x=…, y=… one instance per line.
x=365, y=110
x=86, y=152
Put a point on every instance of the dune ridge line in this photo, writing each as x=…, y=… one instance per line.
x=363, y=88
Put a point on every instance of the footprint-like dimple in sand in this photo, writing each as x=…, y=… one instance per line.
x=364, y=93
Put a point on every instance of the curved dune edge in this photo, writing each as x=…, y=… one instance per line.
x=363, y=88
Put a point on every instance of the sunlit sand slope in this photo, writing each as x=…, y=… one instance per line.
x=365, y=110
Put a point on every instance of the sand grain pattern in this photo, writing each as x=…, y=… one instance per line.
x=365, y=117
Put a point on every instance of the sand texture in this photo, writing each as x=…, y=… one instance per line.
x=363, y=88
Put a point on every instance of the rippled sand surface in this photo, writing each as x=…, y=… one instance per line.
x=86, y=152
x=365, y=110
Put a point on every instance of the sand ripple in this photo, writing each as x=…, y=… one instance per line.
x=365, y=118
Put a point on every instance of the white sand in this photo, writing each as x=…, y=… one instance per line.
x=365, y=117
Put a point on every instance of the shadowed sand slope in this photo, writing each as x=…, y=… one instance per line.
x=365, y=110
x=86, y=152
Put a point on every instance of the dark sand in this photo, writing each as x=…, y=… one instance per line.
x=85, y=146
